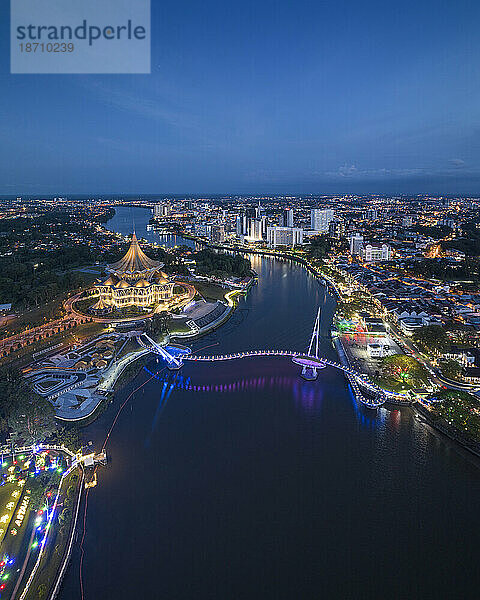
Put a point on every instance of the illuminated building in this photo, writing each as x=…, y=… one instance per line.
x=376, y=252
x=217, y=234
x=320, y=219
x=135, y=280
x=286, y=218
x=284, y=236
x=356, y=244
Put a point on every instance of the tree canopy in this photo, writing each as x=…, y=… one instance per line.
x=318, y=247
x=432, y=338
x=404, y=369
x=25, y=415
x=219, y=264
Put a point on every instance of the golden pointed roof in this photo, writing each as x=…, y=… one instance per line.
x=111, y=280
x=100, y=305
x=141, y=283
x=122, y=284
x=135, y=261
x=161, y=278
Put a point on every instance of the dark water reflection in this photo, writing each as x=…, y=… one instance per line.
x=240, y=480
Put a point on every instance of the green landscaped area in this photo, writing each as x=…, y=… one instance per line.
x=89, y=330
x=401, y=373
x=34, y=317
x=58, y=539
x=459, y=410
x=210, y=291
x=41, y=314
x=178, y=326
x=29, y=486
x=391, y=385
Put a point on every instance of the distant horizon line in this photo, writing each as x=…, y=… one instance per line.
x=218, y=195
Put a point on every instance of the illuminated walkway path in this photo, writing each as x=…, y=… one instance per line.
x=375, y=398
x=365, y=391
x=356, y=380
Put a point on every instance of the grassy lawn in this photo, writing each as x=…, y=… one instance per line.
x=210, y=291
x=178, y=326
x=89, y=330
x=131, y=346
x=84, y=304
x=392, y=385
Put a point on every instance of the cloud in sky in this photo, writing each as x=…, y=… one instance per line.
x=352, y=172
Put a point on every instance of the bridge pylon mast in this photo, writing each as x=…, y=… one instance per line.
x=310, y=373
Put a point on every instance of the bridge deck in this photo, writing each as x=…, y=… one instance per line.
x=355, y=379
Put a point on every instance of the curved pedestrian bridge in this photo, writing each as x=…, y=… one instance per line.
x=364, y=390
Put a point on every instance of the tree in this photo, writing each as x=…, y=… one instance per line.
x=404, y=369
x=318, y=247
x=451, y=369
x=32, y=420
x=432, y=338
x=220, y=264
x=29, y=417
x=70, y=437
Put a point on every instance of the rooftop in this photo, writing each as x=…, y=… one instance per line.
x=135, y=261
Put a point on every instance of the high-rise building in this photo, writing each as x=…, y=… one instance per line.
x=356, y=244
x=320, y=219
x=217, y=234
x=370, y=214
x=287, y=217
x=284, y=236
x=241, y=225
x=336, y=229
x=202, y=229
x=161, y=210
x=256, y=229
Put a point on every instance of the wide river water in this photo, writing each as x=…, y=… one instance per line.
x=261, y=485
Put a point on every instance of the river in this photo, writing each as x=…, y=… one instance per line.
x=261, y=485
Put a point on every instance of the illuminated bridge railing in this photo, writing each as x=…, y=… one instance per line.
x=357, y=380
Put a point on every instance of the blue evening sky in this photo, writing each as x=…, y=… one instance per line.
x=260, y=96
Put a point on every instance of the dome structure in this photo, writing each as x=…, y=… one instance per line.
x=100, y=306
x=161, y=278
